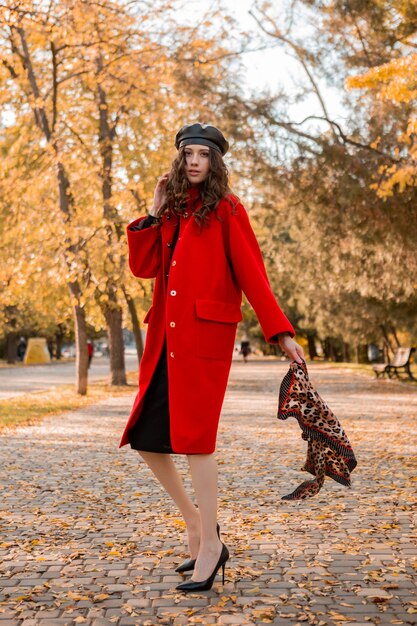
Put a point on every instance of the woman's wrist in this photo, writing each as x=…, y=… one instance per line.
x=153, y=213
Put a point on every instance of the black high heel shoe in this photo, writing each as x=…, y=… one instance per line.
x=190, y=563
x=203, y=585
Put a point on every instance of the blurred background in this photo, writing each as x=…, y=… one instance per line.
x=318, y=102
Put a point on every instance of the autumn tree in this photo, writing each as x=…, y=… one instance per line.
x=105, y=90
x=35, y=75
x=345, y=255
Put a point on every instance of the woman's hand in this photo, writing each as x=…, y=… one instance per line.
x=159, y=194
x=291, y=348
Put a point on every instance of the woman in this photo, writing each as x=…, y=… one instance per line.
x=198, y=243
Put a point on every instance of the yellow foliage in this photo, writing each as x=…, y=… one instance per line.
x=395, y=82
x=116, y=91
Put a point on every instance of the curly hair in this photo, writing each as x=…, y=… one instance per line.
x=212, y=189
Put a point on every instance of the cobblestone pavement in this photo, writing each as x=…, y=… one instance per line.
x=89, y=537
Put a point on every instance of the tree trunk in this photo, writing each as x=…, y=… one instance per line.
x=311, y=346
x=114, y=317
x=111, y=310
x=329, y=352
x=394, y=332
x=59, y=335
x=11, y=350
x=363, y=353
x=81, y=359
x=356, y=350
x=66, y=200
x=386, y=337
x=346, y=352
x=135, y=323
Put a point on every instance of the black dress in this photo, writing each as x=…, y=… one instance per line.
x=151, y=431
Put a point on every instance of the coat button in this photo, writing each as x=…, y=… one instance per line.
x=171, y=354
x=169, y=245
x=185, y=214
x=173, y=292
x=173, y=263
x=168, y=217
x=172, y=324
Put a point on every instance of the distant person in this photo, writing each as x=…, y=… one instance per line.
x=245, y=349
x=21, y=348
x=90, y=349
x=198, y=244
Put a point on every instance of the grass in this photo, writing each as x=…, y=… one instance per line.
x=366, y=368
x=30, y=408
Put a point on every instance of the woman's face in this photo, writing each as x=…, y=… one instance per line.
x=197, y=163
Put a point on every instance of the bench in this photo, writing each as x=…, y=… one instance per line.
x=401, y=360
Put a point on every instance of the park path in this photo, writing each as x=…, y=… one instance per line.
x=89, y=537
x=16, y=381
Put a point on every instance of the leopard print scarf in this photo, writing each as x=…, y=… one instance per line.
x=329, y=452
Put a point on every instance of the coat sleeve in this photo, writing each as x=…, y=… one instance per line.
x=247, y=263
x=144, y=243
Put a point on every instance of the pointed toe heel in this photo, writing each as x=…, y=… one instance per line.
x=204, y=585
x=189, y=564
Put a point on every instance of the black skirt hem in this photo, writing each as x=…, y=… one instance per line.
x=151, y=432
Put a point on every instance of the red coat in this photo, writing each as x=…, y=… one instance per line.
x=198, y=309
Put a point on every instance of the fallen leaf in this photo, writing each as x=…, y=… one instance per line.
x=101, y=596
x=339, y=616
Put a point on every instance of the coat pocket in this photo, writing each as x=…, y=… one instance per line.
x=148, y=314
x=216, y=328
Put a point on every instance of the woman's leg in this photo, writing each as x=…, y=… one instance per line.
x=204, y=476
x=163, y=466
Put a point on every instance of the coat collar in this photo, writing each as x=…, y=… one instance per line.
x=193, y=199
x=193, y=195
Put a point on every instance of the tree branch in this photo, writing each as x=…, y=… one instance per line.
x=301, y=55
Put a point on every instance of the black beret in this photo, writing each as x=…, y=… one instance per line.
x=201, y=134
